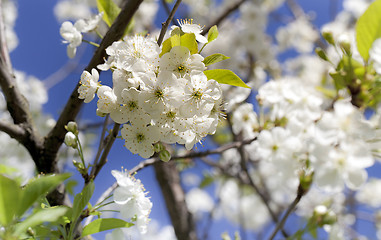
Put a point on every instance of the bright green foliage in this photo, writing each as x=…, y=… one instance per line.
x=10, y=198
x=38, y=188
x=214, y=58
x=45, y=215
x=104, y=224
x=81, y=200
x=180, y=39
x=15, y=201
x=110, y=10
x=368, y=29
x=226, y=77
x=212, y=34
x=189, y=40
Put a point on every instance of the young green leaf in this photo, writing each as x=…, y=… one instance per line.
x=10, y=196
x=46, y=215
x=226, y=77
x=189, y=40
x=368, y=29
x=214, y=58
x=212, y=34
x=168, y=44
x=81, y=200
x=38, y=188
x=104, y=224
x=110, y=10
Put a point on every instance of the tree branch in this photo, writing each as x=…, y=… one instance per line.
x=14, y=131
x=218, y=150
x=17, y=105
x=168, y=178
x=56, y=136
x=102, y=161
x=166, y=24
x=290, y=209
x=222, y=17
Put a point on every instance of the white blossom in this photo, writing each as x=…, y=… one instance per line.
x=187, y=26
x=179, y=61
x=72, y=36
x=132, y=199
x=89, y=85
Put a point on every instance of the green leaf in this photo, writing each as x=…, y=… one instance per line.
x=168, y=44
x=38, y=188
x=214, y=58
x=225, y=76
x=208, y=180
x=104, y=224
x=175, y=40
x=46, y=215
x=70, y=186
x=368, y=29
x=166, y=47
x=212, y=34
x=10, y=196
x=81, y=200
x=110, y=10
x=189, y=40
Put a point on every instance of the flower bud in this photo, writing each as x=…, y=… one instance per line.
x=72, y=127
x=71, y=140
x=327, y=35
x=165, y=156
x=158, y=147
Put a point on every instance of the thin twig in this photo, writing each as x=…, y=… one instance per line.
x=102, y=161
x=166, y=24
x=222, y=17
x=290, y=209
x=218, y=150
x=101, y=145
x=167, y=10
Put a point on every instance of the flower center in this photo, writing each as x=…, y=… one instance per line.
x=140, y=137
x=171, y=115
x=197, y=95
x=181, y=69
x=132, y=105
x=159, y=93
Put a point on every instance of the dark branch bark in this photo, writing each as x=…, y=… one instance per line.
x=166, y=24
x=14, y=131
x=102, y=161
x=222, y=17
x=56, y=136
x=168, y=178
x=17, y=105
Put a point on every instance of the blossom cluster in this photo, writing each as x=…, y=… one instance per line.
x=157, y=95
